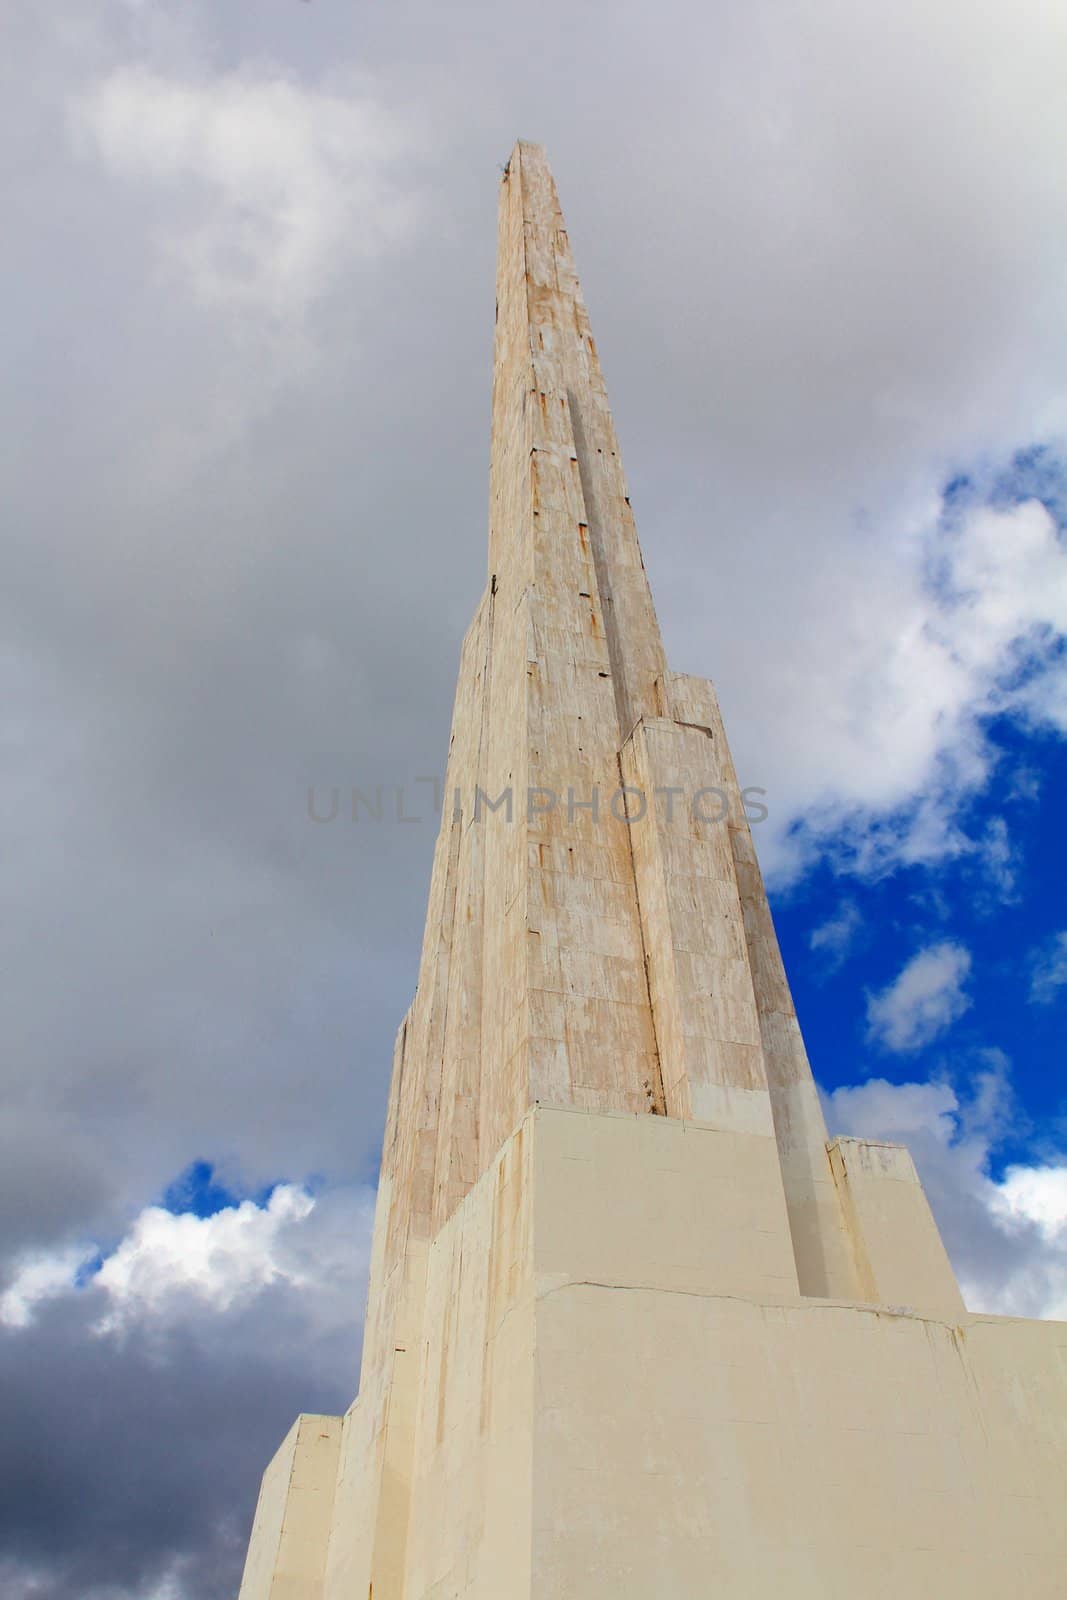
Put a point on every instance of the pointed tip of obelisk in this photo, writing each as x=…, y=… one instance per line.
x=528, y=167
x=527, y=150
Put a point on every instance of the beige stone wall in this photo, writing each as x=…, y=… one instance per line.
x=287, y=1550
x=470, y=1530
x=691, y=1442
x=900, y=1258
x=621, y=1394
x=811, y=1450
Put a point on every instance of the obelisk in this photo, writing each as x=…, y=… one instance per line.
x=636, y=1327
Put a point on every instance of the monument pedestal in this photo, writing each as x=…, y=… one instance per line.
x=619, y=1394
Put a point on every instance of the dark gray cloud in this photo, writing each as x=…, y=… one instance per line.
x=122, y=1463
x=142, y=1407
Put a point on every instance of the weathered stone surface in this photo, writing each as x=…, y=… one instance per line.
x=634, y=1329
x=287, y=1550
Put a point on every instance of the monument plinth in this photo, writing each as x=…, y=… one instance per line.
x=636, y=1330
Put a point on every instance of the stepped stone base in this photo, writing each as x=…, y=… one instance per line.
x=615, y=1391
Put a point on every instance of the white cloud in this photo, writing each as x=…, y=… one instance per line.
x=966, y=622
x=170, y=1266
x=1008, y=571
x=39, y=1277
x=1049, y=970
x=275, y=187
x=923, y=1000
x=1000, y=860
x=218, y=1259
x=834, y=937
x=1025, y=784
x=894, y=1111
x=1007, y=1238
x=1036, y=1195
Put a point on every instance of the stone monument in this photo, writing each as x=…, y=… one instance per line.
x=637, y=1330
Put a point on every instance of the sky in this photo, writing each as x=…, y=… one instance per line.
x=248, y=284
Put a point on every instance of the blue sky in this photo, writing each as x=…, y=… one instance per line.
x=997, y=895
x=1006, y=929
